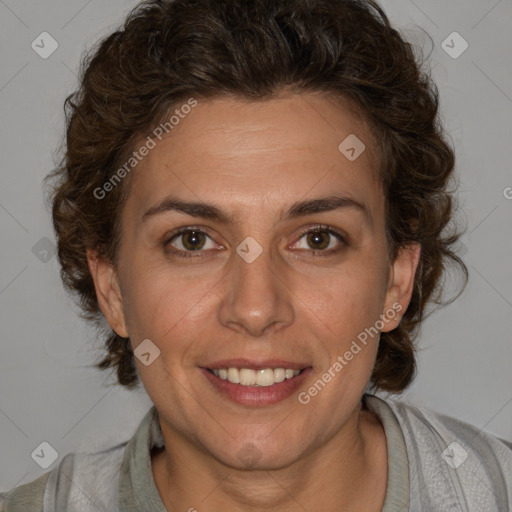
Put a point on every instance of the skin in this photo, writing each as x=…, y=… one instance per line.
x=254, y=160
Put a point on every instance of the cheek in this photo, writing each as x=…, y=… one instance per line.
x=161, y=302
x=350, y=313
x=351, y=297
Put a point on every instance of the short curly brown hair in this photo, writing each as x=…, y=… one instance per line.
x=168, y=51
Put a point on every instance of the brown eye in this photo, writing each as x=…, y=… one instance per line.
x=318, y=239
x=193, y=240
x=322, y=239
x=187, y=241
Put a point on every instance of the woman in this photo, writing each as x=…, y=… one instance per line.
x=255, y=197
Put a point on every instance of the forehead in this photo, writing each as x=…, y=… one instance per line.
x=265, y=154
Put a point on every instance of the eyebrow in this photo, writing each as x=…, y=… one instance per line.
x=298, y=209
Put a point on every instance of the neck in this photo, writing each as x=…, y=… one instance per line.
x=347, y=471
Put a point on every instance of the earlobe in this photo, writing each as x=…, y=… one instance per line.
x=108, y=291
x=401, y=283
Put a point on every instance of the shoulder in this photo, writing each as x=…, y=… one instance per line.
x=443, y=427
x=454, y=459
x=26, y=497
x=80, y=482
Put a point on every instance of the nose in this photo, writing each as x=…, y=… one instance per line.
x=256, y=297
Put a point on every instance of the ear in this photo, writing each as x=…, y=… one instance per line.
x=401, y=284
x=108, y=291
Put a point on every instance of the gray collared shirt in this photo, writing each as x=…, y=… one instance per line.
x=425, y=472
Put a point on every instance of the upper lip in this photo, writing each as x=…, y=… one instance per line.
x=255, y=364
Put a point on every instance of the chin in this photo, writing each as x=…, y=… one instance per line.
x=258, y=455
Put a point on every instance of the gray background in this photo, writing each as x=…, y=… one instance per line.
x=49, y=391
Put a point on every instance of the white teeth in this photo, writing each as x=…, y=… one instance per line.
x=247, y=377
x=250, y=377
x=233, y=375
x=279, y=374
x=265, y=377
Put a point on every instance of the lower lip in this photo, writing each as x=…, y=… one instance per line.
x=257, y=395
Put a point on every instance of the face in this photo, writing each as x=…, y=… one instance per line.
x=252, y=280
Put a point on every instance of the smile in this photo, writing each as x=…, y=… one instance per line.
x=256, y=386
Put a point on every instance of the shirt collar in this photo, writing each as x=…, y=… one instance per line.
x=137, y=488
x=397, y=488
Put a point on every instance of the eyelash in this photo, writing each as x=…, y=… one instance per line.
x=313, y=229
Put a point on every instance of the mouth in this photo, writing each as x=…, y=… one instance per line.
x=256, y=384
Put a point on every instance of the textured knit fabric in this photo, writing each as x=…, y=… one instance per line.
x=427, y=472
